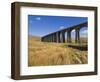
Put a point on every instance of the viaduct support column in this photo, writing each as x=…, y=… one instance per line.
x=49, y=38
x=52, y=37
x=63, y=36
x=69, y=36
x=77, y=35
x=58, y=37
x=55, y=37
x=46, y=38
x=42, y=39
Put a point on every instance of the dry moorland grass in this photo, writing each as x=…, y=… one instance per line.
x=47, y=53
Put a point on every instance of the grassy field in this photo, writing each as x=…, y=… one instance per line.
x=48, y=53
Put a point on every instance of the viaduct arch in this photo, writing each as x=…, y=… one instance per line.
x=59, y=36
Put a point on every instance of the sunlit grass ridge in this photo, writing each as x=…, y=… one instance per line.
x=48, y=53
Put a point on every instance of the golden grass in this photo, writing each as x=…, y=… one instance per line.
x=47, y=53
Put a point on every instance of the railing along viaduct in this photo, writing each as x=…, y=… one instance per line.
x=59, y=36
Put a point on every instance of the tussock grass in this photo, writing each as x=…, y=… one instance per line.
x=48, y=53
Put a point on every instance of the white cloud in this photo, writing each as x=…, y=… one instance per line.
x=62, y=27
x=84, y=32
x=38, y=18
x=73, y=30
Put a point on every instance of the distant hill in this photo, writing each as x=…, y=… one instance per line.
x=36, y=38
x=82, y=39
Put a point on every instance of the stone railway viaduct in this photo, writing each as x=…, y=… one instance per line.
x=59, y=36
